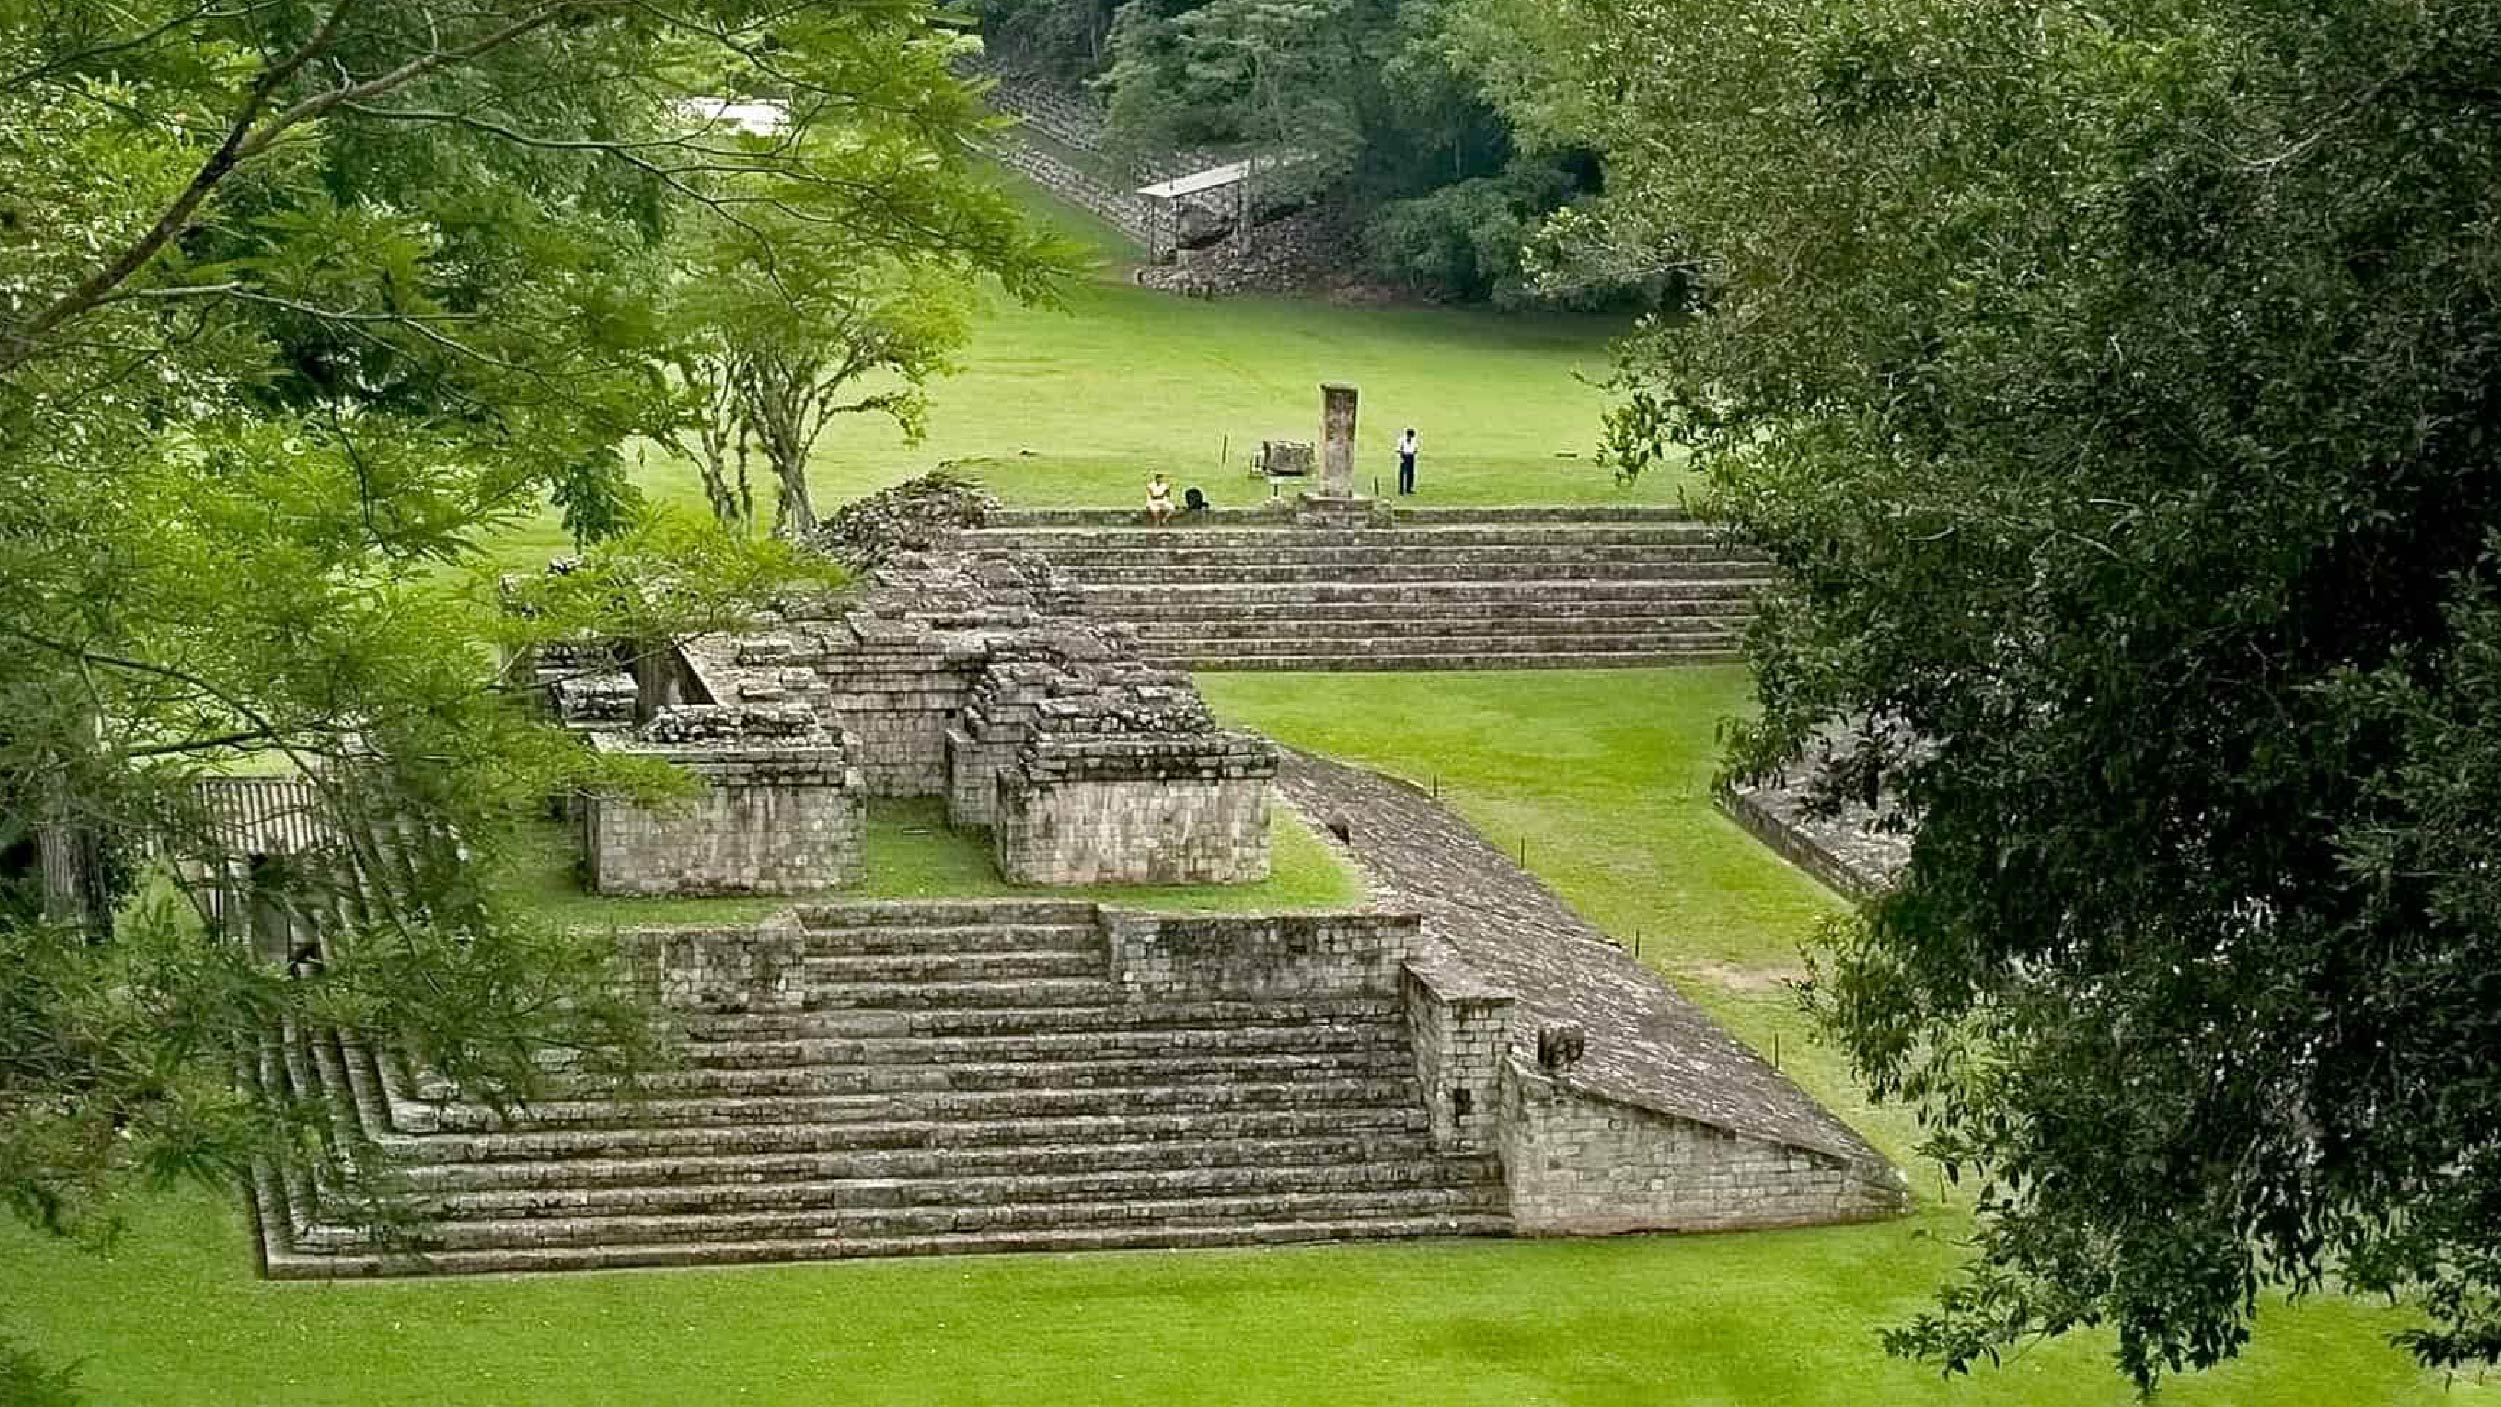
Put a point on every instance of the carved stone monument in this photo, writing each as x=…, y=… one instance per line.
x=1337, y=440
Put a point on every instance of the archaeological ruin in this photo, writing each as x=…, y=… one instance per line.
x=1461, y=1056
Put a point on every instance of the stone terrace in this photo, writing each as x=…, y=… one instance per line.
x=1439, y=589
x=1625, y=1106
x=901, y=1079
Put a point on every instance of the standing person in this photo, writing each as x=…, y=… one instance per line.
x=1406, y=461
x=1159, y=499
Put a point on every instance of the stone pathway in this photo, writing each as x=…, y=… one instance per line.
x=1646, y=1045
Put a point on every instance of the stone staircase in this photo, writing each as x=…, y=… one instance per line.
x=1443, y=589
x=926, y=1078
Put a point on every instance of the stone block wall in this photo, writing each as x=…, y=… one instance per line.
x=763, y=968
x=771, y=819
x=1188, y=810
x=1581, y=1165
x=1461, y=1030
x=1182, y=957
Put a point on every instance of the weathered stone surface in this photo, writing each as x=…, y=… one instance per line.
x=1664, y=1121
x=1855, y=851
x=779, y=813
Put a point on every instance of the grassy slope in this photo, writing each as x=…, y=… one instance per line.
x=1622, y=826
x=1077, y=405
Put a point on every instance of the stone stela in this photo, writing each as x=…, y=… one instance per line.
x=1337, y=440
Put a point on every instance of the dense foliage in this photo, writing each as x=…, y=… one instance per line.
x=1377, y=100
x=300, y=305
x=2117, y=386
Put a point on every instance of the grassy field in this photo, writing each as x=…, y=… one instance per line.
x=1606, y=773
x=1078, y=404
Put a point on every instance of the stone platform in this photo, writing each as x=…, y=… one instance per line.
x=1429, y=589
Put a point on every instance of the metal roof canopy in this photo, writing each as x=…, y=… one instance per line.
x=1232, y=173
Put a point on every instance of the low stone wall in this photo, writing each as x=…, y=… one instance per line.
x=1849, y=853
x=1461, y=1029
x=1135, y=811
x=1582, y=1165
x=1181, y=957
x=770, y=820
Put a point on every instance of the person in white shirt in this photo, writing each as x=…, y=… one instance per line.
x=1158, y=499
x=1406, y=461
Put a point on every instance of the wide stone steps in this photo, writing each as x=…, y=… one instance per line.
x=851, y=969
x=870, y=940
x=1027, y=1020
x=1177, y=1068
x=1393, y=638
x=1290, y=571
x=760, y=1169
x=1545, y=595
x=954, y=1189
x=1351, y=616
x=1053, y=1047
x=1107, y=1100
x=970, y=995
x=868, y=1223
x=1213, y=661
x=283, y=1265
x=1567, y=560
x=649, y=1141
x=924, y=1079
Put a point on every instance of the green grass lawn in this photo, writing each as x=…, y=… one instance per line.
x=1606, y=773
x=1079, y=404
x=913, y=854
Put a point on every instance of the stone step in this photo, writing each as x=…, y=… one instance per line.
x=288, y=1265
x=852, y=969
x=1027, y=1020
x=1566, y=560
x=1409, y=513
x=1201, y=612
x=886, y=1222
x=1051, y=1047
x=1355, y=663
x=837, y=940
x=1195, y=1126
x=1122, y=599
x=1548, y=576
x=751, y=1169
x=946, y=913
x=1409, y=638
x=903, y=996
x=888, y=1077
x=915, y=1105
x=1231, y=1178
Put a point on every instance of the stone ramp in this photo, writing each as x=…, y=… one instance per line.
x=1646, y=1068
x=897, y=1079
x=1454, y=589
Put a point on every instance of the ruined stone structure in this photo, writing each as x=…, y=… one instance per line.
x=778, y=813
x=885, y=1079
x=889, y=1079
x=963, y=675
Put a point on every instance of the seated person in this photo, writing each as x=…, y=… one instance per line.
x=1193, y=501
x=1158, y=499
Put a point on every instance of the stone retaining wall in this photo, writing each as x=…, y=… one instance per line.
x=1581, y=1165
x=1461, y=1029
x=772, y=818
x=1180, y=957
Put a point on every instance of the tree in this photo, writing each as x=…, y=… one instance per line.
x=769, y=351
x=2115, y=387
x=300, y=306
